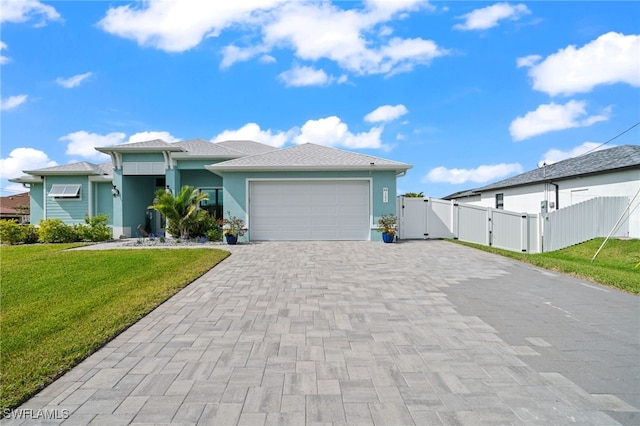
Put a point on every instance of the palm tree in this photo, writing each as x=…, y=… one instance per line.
x=414, y=194
x=179, y=210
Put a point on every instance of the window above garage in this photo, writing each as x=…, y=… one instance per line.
x=65, y=191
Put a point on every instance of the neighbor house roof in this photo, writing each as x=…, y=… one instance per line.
x=9, y=204
x=81, y=168
x=597, y=162
x=308, y=157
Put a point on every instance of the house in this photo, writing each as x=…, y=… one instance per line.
x=15, y=207
x=304, y=192
x=609, y=172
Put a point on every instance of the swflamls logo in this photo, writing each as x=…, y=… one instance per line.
x=36, y=414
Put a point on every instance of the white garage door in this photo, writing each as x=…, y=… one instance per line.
x=309, y=210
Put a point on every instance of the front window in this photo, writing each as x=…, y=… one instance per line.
x=500, y=201
x=65, y=191
x=214, y=204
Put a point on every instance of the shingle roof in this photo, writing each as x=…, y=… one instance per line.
x=145, y=146
x=202, y=148
x=308, y=157
x=81, y=168
x=9, y=204
x=597, y=162
x=247, y=147
x=194, y=148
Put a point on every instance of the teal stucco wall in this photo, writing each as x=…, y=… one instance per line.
x=103, y=200
x=36, y=203
x=200, y=179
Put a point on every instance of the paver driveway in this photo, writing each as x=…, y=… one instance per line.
x=423, y=332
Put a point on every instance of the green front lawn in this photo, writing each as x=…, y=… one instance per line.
x=615, y=266
x=59, y=306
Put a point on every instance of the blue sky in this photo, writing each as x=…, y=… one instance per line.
x=466, y=92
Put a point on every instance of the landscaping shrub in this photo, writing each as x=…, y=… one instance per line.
x=96, y=229
x=202, y=224
x=11, y=232
x=214, y=234
x=56, y=231
x=29, y=234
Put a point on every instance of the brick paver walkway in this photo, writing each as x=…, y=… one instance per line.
x=353, y=333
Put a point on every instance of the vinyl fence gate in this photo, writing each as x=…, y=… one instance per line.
x=432, y=218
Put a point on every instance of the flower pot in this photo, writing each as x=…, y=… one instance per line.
x=231, y=239
x=388, y=238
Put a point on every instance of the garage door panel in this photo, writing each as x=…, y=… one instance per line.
x=309, y=210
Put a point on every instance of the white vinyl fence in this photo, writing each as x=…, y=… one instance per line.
x=584, y=221
x=428, y=218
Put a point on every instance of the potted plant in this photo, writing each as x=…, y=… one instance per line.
x=233, y=227
x=387, y=225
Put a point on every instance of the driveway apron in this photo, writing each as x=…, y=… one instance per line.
x=423, y=332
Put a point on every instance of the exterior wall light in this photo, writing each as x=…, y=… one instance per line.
x=169, y=190
x=115, y=191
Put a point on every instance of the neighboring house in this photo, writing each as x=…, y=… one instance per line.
x=609, y=172
x=15, y=207
x=305, y=192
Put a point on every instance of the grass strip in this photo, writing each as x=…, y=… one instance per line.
x=59, y=306
x=615, y=266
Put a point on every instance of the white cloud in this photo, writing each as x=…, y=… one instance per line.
x=252, y=131
x=24, y=10
x=23, y=159
x=331, y=131
x=304, y=76
x=176, y=26
x=609, y=59
x=550, y=117
x=386, y=113
x=267, y=59
x=354, y=38
x=316, y=31
x=232, y=54
x=528, y=61
x=149, y=136
x=554, y=155
x=83, y=144
x=480, y=174
x=300, y=76
x=488, y=17
x=12, y=102
x=13, y=188
x=74, y=81
x=4, y=59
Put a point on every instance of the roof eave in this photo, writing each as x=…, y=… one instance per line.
x=62, y=172
x=25, y=179
x=125, y=149
x=388, y=167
